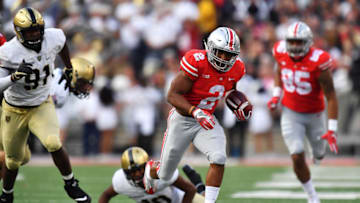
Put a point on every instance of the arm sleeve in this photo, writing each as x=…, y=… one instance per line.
x=117, y=181
x=57, y=91
x=325, y=62
x=5, y=79
x=187, y=65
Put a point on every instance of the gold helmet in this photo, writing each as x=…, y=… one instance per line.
x=82, y=77
x=133, y=161
x=29, y=28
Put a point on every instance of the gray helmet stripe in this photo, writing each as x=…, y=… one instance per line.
x=32, y=15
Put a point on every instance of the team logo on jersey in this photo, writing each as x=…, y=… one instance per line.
x=7, y=118
x=206, y=76
x=39, y=58
x=230, y=79
x=283, y=63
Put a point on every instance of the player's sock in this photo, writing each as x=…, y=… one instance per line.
x=195, y=178
x=69, y=178
x=309, y=189
x=7, y=196
x=211, y=194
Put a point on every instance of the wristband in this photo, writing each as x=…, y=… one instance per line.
x=277, y=91
x=332, y=125
x=191, y=110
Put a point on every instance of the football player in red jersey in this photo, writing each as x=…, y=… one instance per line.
x=303, y=74
x=205, y=77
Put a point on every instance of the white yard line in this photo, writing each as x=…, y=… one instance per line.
x=284, y=194
x=296, y=184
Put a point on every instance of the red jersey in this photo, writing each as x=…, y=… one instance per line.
x=2, y=39
x=302, y=91
x=209, y=85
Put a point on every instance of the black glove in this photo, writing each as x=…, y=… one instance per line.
x=23, y=70
x=66, y=75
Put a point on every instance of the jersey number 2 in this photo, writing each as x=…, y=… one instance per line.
x=32, y=80
x=209, y=102
x=293, y=81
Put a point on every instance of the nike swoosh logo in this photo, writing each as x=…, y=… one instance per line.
x=81, y=198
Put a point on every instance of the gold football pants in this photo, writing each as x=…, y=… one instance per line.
x=16, y=123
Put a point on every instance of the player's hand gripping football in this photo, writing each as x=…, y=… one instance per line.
x=205, y=119
x=67, y=76
x=331, y=137
x=273, y=103
x=240, y=112
x=23, y=70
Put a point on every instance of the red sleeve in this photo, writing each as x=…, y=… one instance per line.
x=325, y=61
x=278, y=49
x=2, y=39
x=188, y=65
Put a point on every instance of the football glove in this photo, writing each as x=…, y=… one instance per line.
x=205, y=119
x=67, y=76
x=331, y=137
x=23, y=70
x=273, y=103
x=240, y=113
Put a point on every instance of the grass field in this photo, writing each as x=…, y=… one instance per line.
x=241, y=184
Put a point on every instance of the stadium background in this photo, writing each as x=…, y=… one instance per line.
x=136, y=47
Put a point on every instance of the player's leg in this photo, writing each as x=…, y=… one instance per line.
x=14, y=135
x=315, y=129
x=213, y=144
x=293, y=131
x=43, y=123
x=180, y=131
x=195, y=178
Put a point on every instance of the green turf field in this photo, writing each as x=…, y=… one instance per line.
x=263, y=184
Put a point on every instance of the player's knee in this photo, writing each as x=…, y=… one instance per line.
x=217, y=158
x=12, y=164
x=52, y=143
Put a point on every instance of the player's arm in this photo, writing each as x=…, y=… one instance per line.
x=65, y=56
x=67, y=74
x=187, y=187
x=327, y=85
x=107, y=195
x=272, y=104
x=181, y=85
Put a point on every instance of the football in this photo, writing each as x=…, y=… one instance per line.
x=235, y=99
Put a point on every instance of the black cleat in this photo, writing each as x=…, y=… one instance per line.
x=195, y=178
x=6, y=198
x=75, y=192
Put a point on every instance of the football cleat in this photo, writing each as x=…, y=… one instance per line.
x=6, y=198
x=75, y=192
x=149, y=182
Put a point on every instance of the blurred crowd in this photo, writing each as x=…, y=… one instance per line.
x=136, y=46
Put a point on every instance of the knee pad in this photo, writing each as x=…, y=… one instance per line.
x=12, y=164
x=52, y=143
x=27, y=156
x=217, y=158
